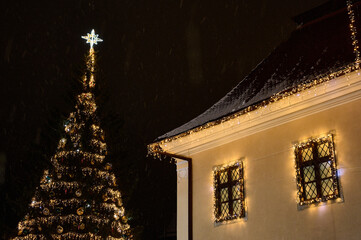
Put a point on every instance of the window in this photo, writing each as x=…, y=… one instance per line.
x=229, y=192
x=316, y=171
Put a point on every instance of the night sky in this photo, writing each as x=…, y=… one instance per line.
x=161, y=64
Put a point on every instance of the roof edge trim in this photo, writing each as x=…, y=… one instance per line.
x=276, y=97
x=336, y=92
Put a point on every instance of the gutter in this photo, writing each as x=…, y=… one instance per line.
x=190, y=188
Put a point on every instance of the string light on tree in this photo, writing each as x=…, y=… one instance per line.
x=78, y=196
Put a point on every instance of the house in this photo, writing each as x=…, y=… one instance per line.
x=279, y=156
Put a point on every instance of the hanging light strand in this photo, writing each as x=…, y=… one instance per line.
x=153, y=149
x=351, y=15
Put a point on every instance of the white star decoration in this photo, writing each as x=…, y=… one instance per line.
x=92, y=39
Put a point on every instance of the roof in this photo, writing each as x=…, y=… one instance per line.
x=317, y=48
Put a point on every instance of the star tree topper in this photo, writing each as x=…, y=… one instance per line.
x=92, y=38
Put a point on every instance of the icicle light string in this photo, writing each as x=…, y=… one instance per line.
x=355, y=66
x=153, y=148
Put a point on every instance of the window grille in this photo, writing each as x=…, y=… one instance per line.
x=229, y=192
x=317, y=178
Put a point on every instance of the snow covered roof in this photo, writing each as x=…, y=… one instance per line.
x=316, y=48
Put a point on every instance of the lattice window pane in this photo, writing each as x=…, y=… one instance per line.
x=325, y=169
x=327, y=187
x=236, y=207
x=316, y=169
x=307, y=154
x=311, y=191
x=236, y=192
x=229, y=192
x=323, y=150
x=223, y=177
x=224, y=194
x=235, y=174
x=224, y=210
x=309, y=173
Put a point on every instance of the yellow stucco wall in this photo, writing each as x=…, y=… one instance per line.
x=270, y=184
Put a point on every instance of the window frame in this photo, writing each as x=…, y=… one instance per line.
x=316, y=162
x=218, y=186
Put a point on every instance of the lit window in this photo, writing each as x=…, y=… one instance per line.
x=229, y=192
x=316, y=171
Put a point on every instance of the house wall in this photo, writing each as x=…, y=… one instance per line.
x=270, y=184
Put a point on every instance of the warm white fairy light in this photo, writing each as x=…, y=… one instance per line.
x=240, y=183
x=336, y=194
x=73, y=166
x=353, y=30
x=153, y=149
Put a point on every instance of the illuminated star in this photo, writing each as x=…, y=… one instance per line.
x=92, y=39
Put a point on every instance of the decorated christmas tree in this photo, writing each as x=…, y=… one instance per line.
x=78, y=197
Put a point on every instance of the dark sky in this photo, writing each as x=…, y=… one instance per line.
x=161, y=64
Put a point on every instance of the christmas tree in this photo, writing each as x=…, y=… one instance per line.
x=78, y=197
